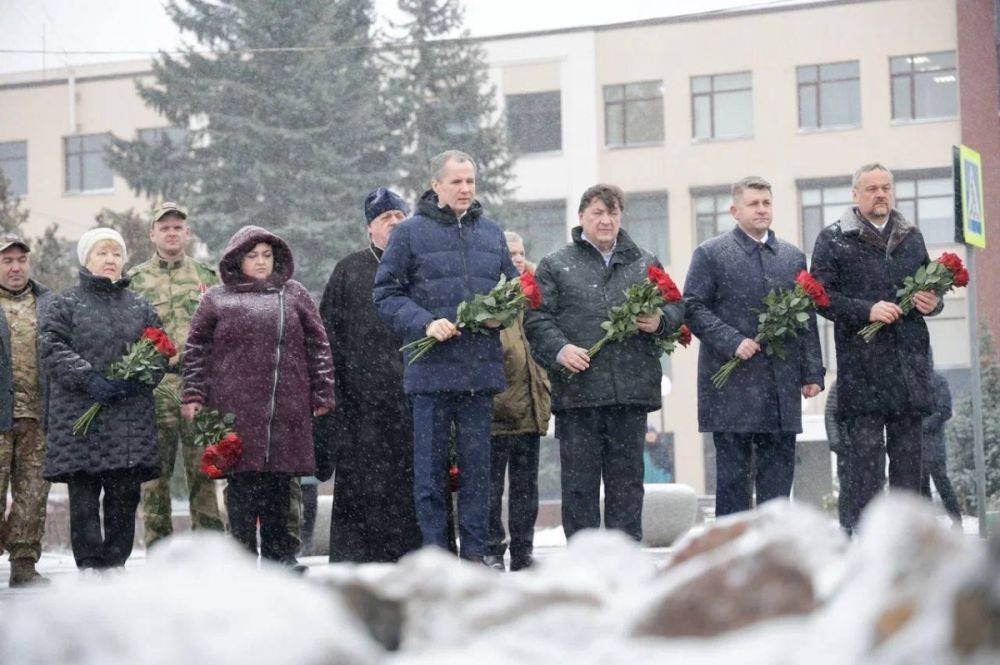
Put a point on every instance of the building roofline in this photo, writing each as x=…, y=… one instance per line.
x=680, y=18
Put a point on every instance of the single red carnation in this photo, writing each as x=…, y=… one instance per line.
x=951, y=261
x=813, y=288
x=453, y=478
x=531, y=290
x=685, y=337
x=961, y=277
x=664, y=284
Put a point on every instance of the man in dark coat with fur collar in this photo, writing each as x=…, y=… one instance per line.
x=883, y=385
x=370, y=443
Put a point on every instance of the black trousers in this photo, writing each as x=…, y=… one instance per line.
x=516, y=456
x=937, y=470
x=263, y=496
x=91, y=548
x=310, y=502
x=845, y=499
x=900, y=435
x=745, y=461
x=602, y=443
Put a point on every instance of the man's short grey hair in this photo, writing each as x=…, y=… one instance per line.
x=750, y=182
x=513, y=236
x=438, y=161
x=868, y=168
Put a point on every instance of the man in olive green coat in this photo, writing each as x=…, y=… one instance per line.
x=520, y=416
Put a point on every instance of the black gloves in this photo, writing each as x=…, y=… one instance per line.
x=103, y=391
x=132, y=387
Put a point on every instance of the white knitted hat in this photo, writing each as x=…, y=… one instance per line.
x=94, y=236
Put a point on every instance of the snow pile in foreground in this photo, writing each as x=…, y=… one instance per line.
x=199, y=600
x=780, y=585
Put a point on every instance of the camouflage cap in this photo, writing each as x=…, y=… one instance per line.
x=165, y=208
x=9, y=240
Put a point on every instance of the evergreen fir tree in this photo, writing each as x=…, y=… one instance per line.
x=961, y=460
x=12, y=217
x=288, y=140
x=442, y=99
x=53, y=260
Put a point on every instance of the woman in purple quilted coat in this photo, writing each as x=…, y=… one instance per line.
x=258, y=349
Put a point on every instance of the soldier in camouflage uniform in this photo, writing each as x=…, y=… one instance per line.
x=174, y=282
x=22, y=443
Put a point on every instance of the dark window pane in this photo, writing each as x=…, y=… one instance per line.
x=934, y=61
x=14, y=166
x=812, y=224
x=840, y=103
x=839, y=70
x=807, y=107
x=899, y=65
x=534, y=122
x=739, y=81
x=614, y=117
x=901, y=108
x=701, y=84
x=806, y=74
x=702, y=117
x=644, y=121
x=936, y=95
x=643, y=90
x=936, y=218
x=733, y=114
x=542, y=224
x=645, y=220
x=614, y=93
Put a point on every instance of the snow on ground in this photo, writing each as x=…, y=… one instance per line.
x=886, y=598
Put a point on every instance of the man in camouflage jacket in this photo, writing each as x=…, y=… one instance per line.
x=22, y=443
x=174, y=283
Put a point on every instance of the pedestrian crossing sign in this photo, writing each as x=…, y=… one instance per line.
x=970, y=220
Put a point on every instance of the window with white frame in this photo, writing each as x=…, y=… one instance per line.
x=534, y=122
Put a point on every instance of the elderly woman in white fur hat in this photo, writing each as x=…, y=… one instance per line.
x=86, y=328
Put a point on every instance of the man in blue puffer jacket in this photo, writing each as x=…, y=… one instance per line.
x=447, y=252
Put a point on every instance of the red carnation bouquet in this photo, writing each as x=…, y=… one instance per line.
x=142, y=358
x=785, y=311
x=939, y=276
x=504, y=303
x=646, y=297
x=214, y=432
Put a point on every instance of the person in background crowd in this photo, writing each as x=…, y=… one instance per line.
x=257, y=349
x=22, y=441
x=520, y=416
x=85, y=329
x=885, y=389
x=600, y=403
x=447, y=252
x=934, y=448
x=370, y=445
x=753, y=418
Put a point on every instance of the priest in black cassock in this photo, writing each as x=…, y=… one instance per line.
x=369, y=441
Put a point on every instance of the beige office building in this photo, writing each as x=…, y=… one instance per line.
x=672, y=110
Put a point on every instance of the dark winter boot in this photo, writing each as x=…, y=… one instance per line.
x=521, y=562
x=495, y=561
x=23, y=574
